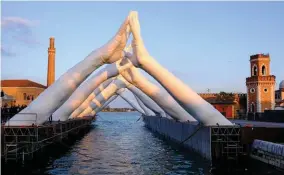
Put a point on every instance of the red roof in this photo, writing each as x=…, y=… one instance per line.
x=21, y=83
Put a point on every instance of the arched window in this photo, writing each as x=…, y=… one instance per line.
x=252, y=108
x=263, y=70
x=254, y=70
x=25, y=96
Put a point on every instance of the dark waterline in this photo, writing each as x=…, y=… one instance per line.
x=117, y=144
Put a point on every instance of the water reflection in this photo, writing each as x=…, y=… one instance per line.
x=120, y=145
x=116, y=145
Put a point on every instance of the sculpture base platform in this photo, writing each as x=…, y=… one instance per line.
x=20, y=143
x=218, y=144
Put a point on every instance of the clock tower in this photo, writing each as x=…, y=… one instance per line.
x=260, y=84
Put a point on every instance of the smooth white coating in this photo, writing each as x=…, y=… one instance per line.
x=130, y=102
x=52, y=98
x=83, y=94
x=85, y=104
x=162, y=98
x=147, y=101
x=168, y=116
x=109, y=91
x=104, y=105
x=159, y=96
x=184, y=95
x=55, y=95
x=86, y=88
x=148, y=111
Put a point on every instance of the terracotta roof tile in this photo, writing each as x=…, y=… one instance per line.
x=21, y=83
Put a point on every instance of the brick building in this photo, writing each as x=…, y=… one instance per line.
x=231, y=105
x=260, y=85
x=22, y=92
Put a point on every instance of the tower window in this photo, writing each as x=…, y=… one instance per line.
x=252, y=90
x=254, y=70
x=252, y=108
x=263, y=70
x=265, y=90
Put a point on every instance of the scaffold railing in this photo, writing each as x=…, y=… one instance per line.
x=21, y=142
x=226, y=142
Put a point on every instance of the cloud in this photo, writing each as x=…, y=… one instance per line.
x=6, y=52
x=17, y=31
x=7, y=21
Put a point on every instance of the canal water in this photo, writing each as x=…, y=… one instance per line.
x=118, y=143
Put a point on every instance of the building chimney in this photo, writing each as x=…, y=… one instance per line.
x=51, y=62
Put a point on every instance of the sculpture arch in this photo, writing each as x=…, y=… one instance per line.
x=190, y=103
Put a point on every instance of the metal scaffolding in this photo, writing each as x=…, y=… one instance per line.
x=21, y=142
x=226, y=143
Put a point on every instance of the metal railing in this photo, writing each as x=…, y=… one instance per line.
x=20, y=142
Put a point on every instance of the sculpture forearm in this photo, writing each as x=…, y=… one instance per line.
x=188, y=99
x=97, y=110
x=85, y=104
x=103, y=96
x=162, y=98
x=50, y=99
x=148, y=111
x=147, y=101
x=131, y=103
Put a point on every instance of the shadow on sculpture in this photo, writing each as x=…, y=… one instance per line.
x=65, y=98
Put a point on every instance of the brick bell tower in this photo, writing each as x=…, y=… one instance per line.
x=51, y=62
x=260, y=85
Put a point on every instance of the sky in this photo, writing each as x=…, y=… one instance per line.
x=205, y=44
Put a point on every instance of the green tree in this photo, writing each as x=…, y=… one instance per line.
x=224, y=96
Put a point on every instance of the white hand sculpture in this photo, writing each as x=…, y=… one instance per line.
x=85, y=104
x=55, y=95
x=162, y=98
x=87, y=87
x=130, y=102
x=184, y=95
x=109, y=91
x=97, y=110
